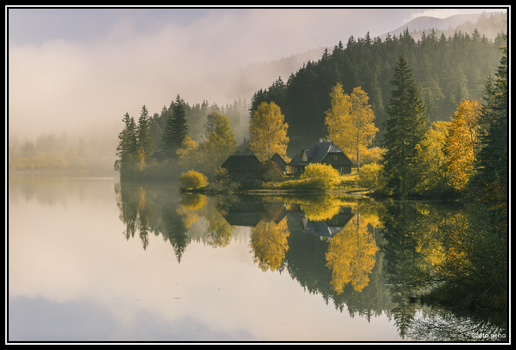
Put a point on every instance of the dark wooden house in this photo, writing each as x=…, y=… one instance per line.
x=327, y=228
x=282, y=165
x=241, y=167
x=320, y=152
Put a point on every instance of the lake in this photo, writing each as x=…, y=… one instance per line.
x=93, y=260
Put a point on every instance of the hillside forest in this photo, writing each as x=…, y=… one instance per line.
x=446, y=71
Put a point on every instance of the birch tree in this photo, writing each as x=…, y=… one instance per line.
x=461, y=143
x=268, y=132
x=350, y=121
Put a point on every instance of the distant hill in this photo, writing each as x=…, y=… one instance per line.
x=261, y=74
x=487, y=24
x=424, y=22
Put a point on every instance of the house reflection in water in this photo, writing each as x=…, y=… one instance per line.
x=326, y=228
x=249, y=214
x=242, y=214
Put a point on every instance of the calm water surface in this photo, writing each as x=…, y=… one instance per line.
x=92, y=260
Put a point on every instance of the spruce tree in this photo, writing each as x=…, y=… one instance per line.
x=126, y=149
x=405, y=128
x=176, y=128
x=145, y=139
x=489, y=186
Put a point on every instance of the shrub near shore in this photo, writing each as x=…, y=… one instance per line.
x=316, y=176
x=192, y=179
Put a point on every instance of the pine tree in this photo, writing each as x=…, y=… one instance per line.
x=489, y=186
x=130, y=127
x=405, y=128
x=145, y=140
x=176, y=128
x=127, y=146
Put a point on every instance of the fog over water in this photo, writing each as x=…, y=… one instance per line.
x=82, y=69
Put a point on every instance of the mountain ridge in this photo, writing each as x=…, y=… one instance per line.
x=428, y=22
x=258, y=74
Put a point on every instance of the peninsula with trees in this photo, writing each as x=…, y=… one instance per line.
x=413, y=118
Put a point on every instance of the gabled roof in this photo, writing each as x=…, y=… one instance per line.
x=276, y=157
x=316, y=153
x=238, y=162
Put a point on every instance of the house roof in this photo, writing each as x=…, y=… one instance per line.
x=277, y=158
x=320, y=228
x=316, y=153
x=238, y=162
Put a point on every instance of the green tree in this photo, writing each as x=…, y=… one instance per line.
x=221, y=142
x=405, y=128
x=145, y=140
x=268, y=132
x=431, y=162
x=176, y=128
x=275, y=93
x=489, y=186
x=127, y=146
x=130, y=126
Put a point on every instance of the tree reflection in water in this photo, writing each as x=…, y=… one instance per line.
x=447, y=326
x=372, y=258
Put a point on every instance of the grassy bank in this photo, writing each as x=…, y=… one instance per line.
x=347, y=182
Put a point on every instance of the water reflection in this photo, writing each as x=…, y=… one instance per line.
x=370, y=258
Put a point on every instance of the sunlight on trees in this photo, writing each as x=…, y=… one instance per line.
x=321, y=208
x=193, y=179
x=322, y=176
x=268, y=132
x=370, y=176
x=189, y=154
x=351, y=256
x=461, y=142
x=269, y=241
x=350, y=121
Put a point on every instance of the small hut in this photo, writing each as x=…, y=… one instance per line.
x=241, y=167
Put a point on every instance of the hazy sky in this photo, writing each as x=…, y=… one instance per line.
x=74, y=67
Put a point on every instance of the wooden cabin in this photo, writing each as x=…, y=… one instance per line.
x=320, y=152
x=282, y=165
x=241, y=167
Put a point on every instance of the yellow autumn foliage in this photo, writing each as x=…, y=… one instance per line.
x=460, y=143
x=350, y=121
x=269, y=242
x=351, y=256
x=268, y=132
x=193, y=179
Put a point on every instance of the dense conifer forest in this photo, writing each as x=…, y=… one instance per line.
x=447, y=70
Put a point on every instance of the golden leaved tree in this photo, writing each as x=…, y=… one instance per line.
x=350, y=121
x=268, y=132
x=269, y=242
x=351, y=256
x=461, y=141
